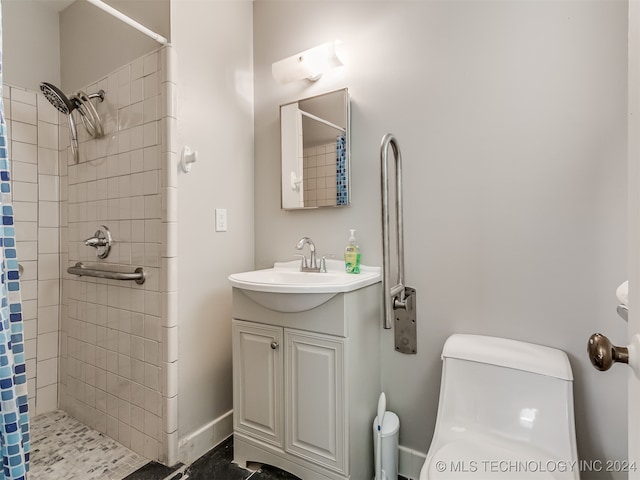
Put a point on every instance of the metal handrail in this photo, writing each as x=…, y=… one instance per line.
x=393, y=297
x=79, y=269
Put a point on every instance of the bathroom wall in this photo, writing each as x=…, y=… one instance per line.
x=93, y=43
x=213, y=42
x=31, y=46
x=33, y=143
x=511, y=118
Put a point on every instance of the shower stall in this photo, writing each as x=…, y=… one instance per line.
x=100, y=348
x=105, y=351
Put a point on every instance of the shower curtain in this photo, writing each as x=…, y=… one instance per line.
x=342, y=197
x=14, y=408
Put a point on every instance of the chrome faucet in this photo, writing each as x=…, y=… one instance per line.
x=312, y=265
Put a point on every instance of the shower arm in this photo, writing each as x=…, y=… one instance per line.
x=88, y=113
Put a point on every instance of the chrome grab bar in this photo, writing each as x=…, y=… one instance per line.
x=79, y=269
x=390, y=295
x=397, y=297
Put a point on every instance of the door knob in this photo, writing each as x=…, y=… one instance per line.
x=274, y=345
x=603, y=353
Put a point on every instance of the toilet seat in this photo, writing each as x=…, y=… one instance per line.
x=483, y=457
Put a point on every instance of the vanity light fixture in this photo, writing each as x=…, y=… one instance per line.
x=310, y=64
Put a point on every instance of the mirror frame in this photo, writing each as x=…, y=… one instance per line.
x=299, y=146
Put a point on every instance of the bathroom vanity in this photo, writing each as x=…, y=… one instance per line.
x=306, y=383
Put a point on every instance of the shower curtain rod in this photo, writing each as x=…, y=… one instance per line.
x=129, y=21
x=322, y=120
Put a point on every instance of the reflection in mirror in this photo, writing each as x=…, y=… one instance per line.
x=315, y=151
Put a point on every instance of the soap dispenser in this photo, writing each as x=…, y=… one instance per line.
x=352, y=254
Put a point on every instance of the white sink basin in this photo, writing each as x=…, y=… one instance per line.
x=284, y=288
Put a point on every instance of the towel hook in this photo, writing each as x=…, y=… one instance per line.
x=187, y=157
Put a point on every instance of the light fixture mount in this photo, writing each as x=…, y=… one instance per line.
x=310, y=64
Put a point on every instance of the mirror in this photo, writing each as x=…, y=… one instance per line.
x=315, y=151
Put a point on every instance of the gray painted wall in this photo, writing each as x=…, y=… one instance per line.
x=213, y=42
x=93, y=43
x=31, y=52
x=511, y=117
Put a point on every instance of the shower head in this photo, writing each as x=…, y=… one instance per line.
x=80, y=101
x=57, y=98
x=64, y=106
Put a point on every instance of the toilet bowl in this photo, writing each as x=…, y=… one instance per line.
x=505, y=412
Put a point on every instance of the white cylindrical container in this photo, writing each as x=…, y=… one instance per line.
x=389, y=444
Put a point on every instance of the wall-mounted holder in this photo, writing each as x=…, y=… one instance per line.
x=101, y=241
x=296, y=180
x=187, y=157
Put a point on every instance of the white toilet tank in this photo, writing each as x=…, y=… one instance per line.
x=505, y=411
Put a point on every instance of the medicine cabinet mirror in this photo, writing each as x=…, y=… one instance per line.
x=314, y=135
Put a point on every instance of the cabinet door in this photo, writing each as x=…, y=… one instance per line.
x=315, y=398
x=257, y=381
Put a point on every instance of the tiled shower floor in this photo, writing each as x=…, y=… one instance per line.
x=62, y=447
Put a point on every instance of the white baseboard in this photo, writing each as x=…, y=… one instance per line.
x=195, y=444
x=410, y=462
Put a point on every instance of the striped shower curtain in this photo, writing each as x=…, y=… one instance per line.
x=14, y=414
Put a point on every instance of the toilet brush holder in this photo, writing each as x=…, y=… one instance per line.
x=388, y=451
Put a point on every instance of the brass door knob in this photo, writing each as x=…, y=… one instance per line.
x=603, y=353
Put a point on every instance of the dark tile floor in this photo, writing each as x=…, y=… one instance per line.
x=214, y=465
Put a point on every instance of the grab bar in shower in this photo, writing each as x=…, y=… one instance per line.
x=79, y=269
x=399, y=301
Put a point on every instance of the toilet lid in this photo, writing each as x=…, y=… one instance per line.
x=474, y=460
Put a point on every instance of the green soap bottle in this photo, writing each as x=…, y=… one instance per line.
x=352, y=255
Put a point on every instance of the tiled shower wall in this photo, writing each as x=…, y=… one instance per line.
x=114, y=335
x=319, y=165
x=33, y=150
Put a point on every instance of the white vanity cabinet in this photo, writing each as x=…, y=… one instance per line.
x=306, y=385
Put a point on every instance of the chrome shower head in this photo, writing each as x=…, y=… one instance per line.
x=65, y=106
x=80, y=101
x=57, y=98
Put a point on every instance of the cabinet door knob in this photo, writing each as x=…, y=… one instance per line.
x=274, y=345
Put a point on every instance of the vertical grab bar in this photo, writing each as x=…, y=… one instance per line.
x=397, y=297
x=391, y=293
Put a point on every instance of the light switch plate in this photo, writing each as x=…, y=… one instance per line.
x=221, y=219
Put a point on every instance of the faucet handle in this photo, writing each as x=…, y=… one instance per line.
x=101, y=241
x=323, y=262
x=303, y=260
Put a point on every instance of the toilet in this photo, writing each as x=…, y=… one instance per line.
x=505, y=412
